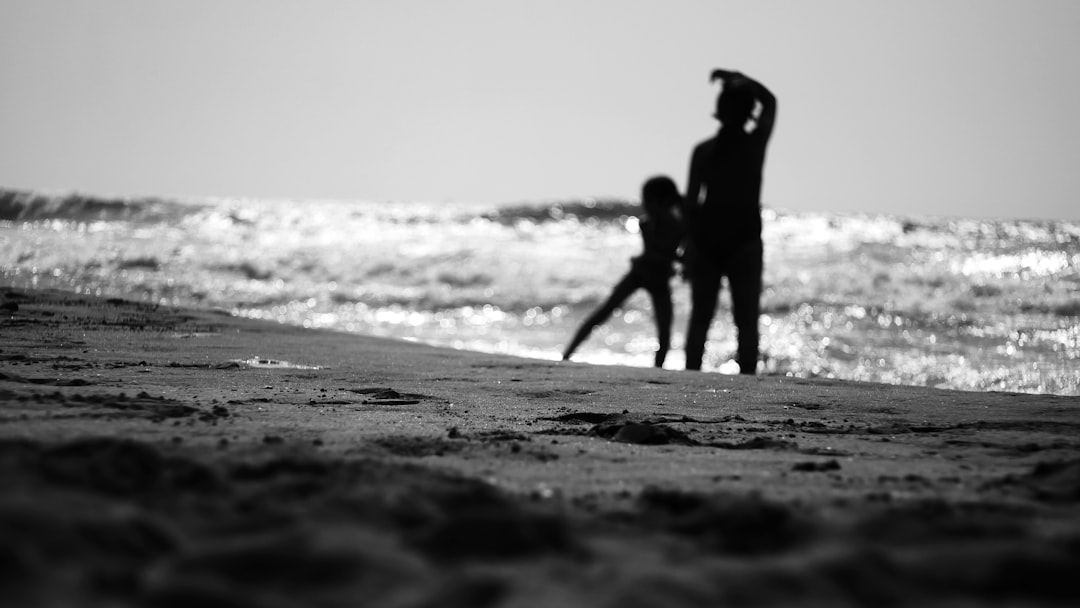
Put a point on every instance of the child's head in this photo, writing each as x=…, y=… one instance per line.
x=659, y=193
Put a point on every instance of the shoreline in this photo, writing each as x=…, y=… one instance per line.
x=964, y=304
x=474, y=479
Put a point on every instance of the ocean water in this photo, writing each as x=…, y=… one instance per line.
x=954, y=303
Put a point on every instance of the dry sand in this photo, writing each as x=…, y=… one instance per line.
x=163, y=457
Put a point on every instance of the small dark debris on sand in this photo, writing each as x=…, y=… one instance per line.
x=816, y=466
x=756, y=443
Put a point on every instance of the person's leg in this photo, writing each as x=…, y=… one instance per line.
x=660, y=292
x=704, y=293
x=744, y=278
x=622, y=290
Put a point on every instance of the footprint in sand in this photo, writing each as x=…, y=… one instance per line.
x=629, y=428
x=9, y=377
x=387, y=396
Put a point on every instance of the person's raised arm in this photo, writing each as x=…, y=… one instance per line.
x=767, y=118
x=725, y=75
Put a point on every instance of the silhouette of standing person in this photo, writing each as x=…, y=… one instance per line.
x=722, y=211
x=662, y=233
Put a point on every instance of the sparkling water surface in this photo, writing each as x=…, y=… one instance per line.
x=953, y=303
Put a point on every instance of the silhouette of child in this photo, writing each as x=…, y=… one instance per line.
x=662, y=232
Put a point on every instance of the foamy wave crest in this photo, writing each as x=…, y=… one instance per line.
x=585, y=210
x=20, y=206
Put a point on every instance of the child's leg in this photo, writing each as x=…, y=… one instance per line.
x=622, y=290
x=662, y=311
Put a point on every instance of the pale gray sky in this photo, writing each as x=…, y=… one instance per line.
x=947, y=107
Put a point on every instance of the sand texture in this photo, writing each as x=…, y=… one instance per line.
x=161, y=457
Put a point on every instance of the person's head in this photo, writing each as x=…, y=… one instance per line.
x=658, y=194
x=735, y=103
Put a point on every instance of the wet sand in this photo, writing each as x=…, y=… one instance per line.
x=162, y=457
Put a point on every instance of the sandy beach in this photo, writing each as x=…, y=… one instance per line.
x=153, y=456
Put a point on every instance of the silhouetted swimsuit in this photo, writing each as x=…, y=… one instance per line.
x=661, y=239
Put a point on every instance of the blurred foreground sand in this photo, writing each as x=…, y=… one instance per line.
x=165, y=457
